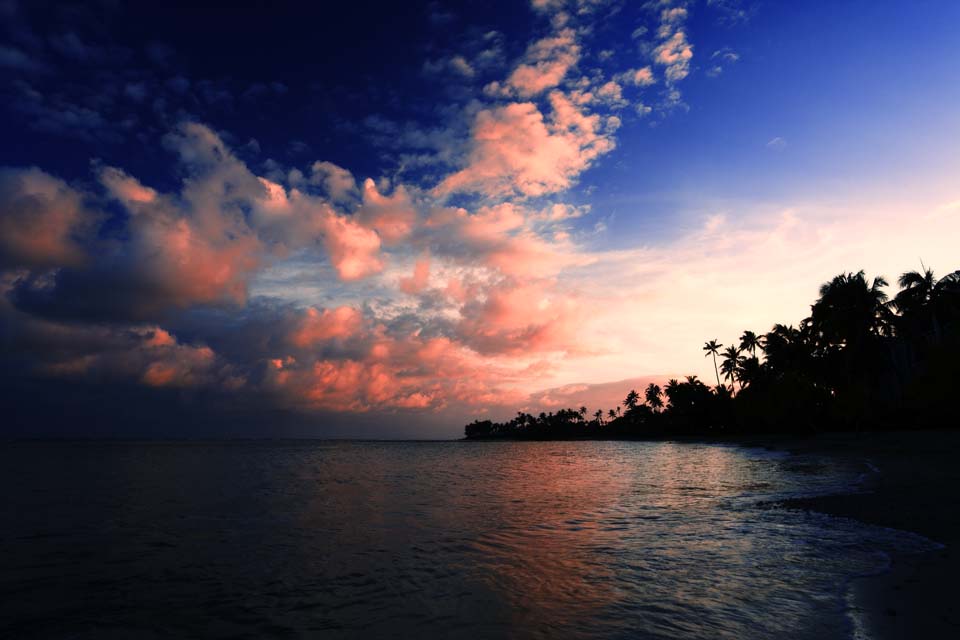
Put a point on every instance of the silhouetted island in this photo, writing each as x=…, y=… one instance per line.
x=859, y=362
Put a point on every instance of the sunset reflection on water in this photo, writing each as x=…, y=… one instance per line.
x=489, y=539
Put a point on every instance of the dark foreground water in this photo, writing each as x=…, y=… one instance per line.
x=321, y=539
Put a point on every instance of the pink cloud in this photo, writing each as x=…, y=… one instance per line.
x=189, y=263
x=494, y=222
x=125, y=188
x=674, y=51
x=393, y=217
x=418, y=280
x=320, y=326
x=42, y=220
x=545, y=64
x=521, y=319
x=514, y=240
x=354, y=250
x=185, y=367
x=516, y=151
x=640, y=77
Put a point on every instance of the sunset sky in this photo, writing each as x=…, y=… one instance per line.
x=388, y=219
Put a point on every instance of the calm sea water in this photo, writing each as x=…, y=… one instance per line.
x=495, y=540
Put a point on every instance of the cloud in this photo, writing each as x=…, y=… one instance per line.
x=516, y=151
x=42, y=221
x=544, y=64
x=456, y=64
x=198, y=246
x=125, y=188
x=642, y=77
x=392, y=217
x=419, y=305
x=721, y=59
x=777, y=143
x=611, y=94
x=520, y=319
x=417, y=282
x=675, y=54
x=13, y=58
x=320, y=326
x=108, y=354
x=337, y=182
x=460, y=283
x=354, y=250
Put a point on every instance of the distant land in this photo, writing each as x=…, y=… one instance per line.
x=861, y=361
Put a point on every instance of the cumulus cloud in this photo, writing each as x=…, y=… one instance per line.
x=354, y=250
x=198, y=246
x=328, y=324
x=517, y=151
x=642, y=77
x=467, y=289
x=338, y=183
x=418, y=280
x=545, y=64
x=42, y=220
x=674, y=53
x=486, y=278
x=392, y=216
x=147, y=354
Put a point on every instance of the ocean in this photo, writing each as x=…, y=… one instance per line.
x=330, y=539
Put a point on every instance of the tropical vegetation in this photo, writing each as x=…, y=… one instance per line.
x=860, y=361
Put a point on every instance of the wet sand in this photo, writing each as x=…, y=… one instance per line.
x=911, y=485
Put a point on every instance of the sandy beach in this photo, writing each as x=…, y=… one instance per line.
x=910, y=487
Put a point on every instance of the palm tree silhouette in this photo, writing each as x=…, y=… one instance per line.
x=750, y=342
x=916, y=290
x=652, y=395
x=730, y=366
x=921, y=297
x=712, y=348
x=857, y=360
x=850, y=311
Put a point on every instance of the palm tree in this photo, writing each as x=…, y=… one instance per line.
x=922, y=297
x=850, y=311
x=632, y=399
x=673, y=386
x=583, y=412
x=599, y=416
x=750, y=369
x=750, y=342
x=652, y=395
x=712, y=348
x=612, y=414
x=916, y=290
x=731, y=364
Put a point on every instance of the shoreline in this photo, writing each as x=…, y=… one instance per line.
x=912, y=489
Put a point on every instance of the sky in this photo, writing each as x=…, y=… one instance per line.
x=385, y=220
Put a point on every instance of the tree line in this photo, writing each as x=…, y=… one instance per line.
x=860, y=361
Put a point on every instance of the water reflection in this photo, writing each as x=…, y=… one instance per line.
x=446, y=539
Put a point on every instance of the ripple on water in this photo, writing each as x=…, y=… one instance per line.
x=579, y=540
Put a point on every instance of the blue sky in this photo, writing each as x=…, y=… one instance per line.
x=410, y=215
